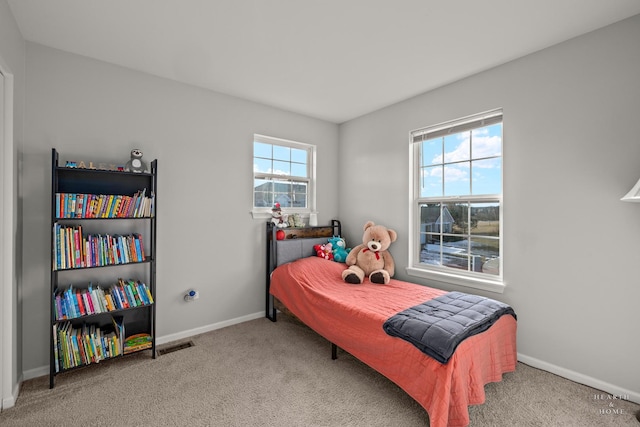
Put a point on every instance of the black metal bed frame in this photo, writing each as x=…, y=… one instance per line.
x=334, y=229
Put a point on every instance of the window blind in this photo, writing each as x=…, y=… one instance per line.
x=455, y=126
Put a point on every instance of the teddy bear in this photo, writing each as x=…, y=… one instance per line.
x=324, y=251
x=135, y=164
x=339, y=248
x=371, y=258
x=279, y=218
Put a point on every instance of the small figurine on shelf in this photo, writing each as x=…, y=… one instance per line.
x=279, y=218
x=135, y=164
x=295, y=220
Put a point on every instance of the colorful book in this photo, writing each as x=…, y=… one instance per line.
x=56, y=352
x=137, y=342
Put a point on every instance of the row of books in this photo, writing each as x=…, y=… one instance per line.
x=72, y=249
x=71, y=302
x=77, y=346
x=80, y=205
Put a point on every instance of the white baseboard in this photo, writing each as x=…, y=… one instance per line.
x=10, y=402
x=611, y=389
x=35, y=372
x=44, y=370
x=208, y=328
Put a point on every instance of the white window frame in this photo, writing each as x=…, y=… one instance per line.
x=265, y=212
x=486, y=282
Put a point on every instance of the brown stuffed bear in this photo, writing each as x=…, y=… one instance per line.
x=371, y=258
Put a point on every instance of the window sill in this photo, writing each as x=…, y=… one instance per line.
x=266, y=215
x=260, y=215
x=496, y=286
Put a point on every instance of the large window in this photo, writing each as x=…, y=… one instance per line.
x=284, y=173
x=456, y=213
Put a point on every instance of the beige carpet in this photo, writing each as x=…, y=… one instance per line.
x=260, y=373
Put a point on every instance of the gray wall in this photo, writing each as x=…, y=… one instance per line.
x=571, y=150
x=12, y=54
x=90, y=110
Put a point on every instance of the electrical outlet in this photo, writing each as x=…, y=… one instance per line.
x=191, y=295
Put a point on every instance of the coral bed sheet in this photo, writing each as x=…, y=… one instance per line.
x=351, y=317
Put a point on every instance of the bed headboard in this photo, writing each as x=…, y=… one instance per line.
x=297, y=243
x=290, y=250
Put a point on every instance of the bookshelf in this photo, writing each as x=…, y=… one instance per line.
x=103, y=267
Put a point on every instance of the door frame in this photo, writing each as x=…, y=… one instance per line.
x=7, y=245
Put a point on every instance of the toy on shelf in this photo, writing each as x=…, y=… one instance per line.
x=279, y=218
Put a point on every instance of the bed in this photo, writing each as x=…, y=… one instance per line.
x=352, y=317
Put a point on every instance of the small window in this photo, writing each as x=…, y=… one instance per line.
x=456, y=212
x=284, y=173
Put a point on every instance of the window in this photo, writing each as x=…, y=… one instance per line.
x=456, y=213
x=284, y=173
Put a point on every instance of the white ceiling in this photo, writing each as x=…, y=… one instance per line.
x=330, y=59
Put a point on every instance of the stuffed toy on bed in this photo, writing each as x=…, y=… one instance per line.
x=371, y=258
x=339, y=248
x=324, y=251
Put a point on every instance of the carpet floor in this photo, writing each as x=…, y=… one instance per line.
x=281, y=374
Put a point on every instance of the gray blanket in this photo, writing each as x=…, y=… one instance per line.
x=438, y=326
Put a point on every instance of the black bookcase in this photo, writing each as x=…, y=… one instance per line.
x=103, y=266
